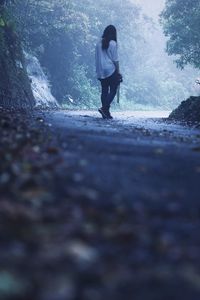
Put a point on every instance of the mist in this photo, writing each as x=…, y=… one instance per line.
x=156, y=41
x=62, y=36
x=151, y=8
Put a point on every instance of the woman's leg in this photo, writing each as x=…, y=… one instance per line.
x=104, y=93
x=113, y=85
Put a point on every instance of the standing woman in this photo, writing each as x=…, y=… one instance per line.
x=107, y=69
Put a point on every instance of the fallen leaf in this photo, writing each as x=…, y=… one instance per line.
x=196, y=149
x=82, y=252
x=10, y=285
x=159, y=151
x=52, y=150
x=197, y=169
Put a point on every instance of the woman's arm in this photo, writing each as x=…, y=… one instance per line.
x=116, y=63
x=113, y=54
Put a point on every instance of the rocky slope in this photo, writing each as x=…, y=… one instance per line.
x=188, y=111
x=15, y=89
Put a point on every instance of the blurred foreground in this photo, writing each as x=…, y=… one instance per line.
x=94, y=209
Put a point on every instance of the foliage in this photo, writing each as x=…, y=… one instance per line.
x=63, y=34
x=181, y=22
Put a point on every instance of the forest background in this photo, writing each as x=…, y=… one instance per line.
x=62, y=34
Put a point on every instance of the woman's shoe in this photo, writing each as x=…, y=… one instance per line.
x=103, y=113
x=109, y=116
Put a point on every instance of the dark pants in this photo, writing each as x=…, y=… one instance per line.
x=109, y=90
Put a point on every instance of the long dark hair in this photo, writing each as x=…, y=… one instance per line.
x=109, y=34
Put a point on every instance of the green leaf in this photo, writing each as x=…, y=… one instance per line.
x=2, y=23
x=10, y=285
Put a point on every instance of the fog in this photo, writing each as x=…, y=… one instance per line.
x=156, y=41
x=64, y=45
x=151, y=8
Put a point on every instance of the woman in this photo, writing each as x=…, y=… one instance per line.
x=107, y=69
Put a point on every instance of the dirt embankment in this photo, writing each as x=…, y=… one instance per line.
x=188, y=111
x=15, y=88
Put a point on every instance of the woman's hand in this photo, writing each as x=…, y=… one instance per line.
x=120, y=78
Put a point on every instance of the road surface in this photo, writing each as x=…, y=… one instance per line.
x=95, y=210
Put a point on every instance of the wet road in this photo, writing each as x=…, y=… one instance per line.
x=97, y=210
x=136, y=156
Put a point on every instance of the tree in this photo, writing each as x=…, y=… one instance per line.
x=63, y=33
x=181, y=23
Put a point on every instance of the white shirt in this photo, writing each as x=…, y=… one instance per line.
x=105, y=59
